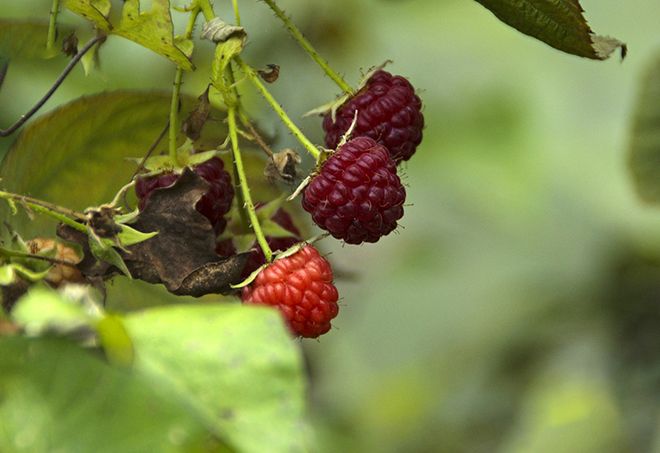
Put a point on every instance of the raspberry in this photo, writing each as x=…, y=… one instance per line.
x=300, y=286
x=213, y=205
x=357, y=195
x=389, y=111
x=225, y=248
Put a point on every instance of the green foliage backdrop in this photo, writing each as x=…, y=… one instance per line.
x=517, y=308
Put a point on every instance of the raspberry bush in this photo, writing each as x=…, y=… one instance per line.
x=212, y=376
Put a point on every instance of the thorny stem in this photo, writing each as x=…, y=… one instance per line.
x=239, y=192
x=254, y=78
x=59, y=213
x=207, y=9
x=176, y=90
x=305, y=44
x=52, y=24
x=69, y=67
x=239, y=170
x=245, y=190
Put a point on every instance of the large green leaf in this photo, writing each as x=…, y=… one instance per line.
x=56, y=397
x=28, y=40
x=152, y=29
x=236, y=365
x=559, y=23
x=644, y=155
x=75, y=156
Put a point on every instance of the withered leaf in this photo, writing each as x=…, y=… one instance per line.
x=193, y=125
x=182, y=255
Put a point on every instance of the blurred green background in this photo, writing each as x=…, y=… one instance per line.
x=517, y=309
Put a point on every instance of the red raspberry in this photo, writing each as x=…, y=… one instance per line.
x=300, y=286
x=357, y=196
x=225, y=248
x=389, y=111
x=213, y=205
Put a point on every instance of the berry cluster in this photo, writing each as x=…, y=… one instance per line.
x=355, y=194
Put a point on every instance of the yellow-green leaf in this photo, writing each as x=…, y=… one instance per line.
x=152, y=29
x=558, y=23
x=95, y=11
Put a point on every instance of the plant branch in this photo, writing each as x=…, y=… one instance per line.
x=236, y=13
x=305, y=44
x=18, y=254
x=245, y=190
x=69, y=67
x=52, y=24
x=59, y=213
x=254, y=78
x=176, y=91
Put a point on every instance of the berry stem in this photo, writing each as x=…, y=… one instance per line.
x=245, y=221
x=176, y=90
x=254, y=78
x=52, y=24
x=305, y=44
x=64, y=215
x=239, y=170
x=245, y=190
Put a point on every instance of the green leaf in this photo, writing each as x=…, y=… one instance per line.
x=44, y=310
x=9, y=272
x=28, y=39
x=58, y=397
x=114, y=338
x=559, y=23
x=75, y=155
x=644, y=153
x=236, y=366
x=152, y=29
x=103, y=250
x=7, y=275
x=130, y=236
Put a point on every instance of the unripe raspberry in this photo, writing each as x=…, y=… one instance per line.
x=215, y=203
x=389, y=111
x=357, y=195
x=301, y=288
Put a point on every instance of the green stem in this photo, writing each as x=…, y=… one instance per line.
x=176, y=90
x=298, y=36
x=236, y=13
x=254, y=78
x=17, y=254
x=237, y=185
x=245, y=190
x=52, y=24
x=207, y=9
x=59, y=213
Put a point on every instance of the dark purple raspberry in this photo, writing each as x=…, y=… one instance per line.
x=389, y=111
x=357, y=195
x=213, y=205
x=225, y=248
